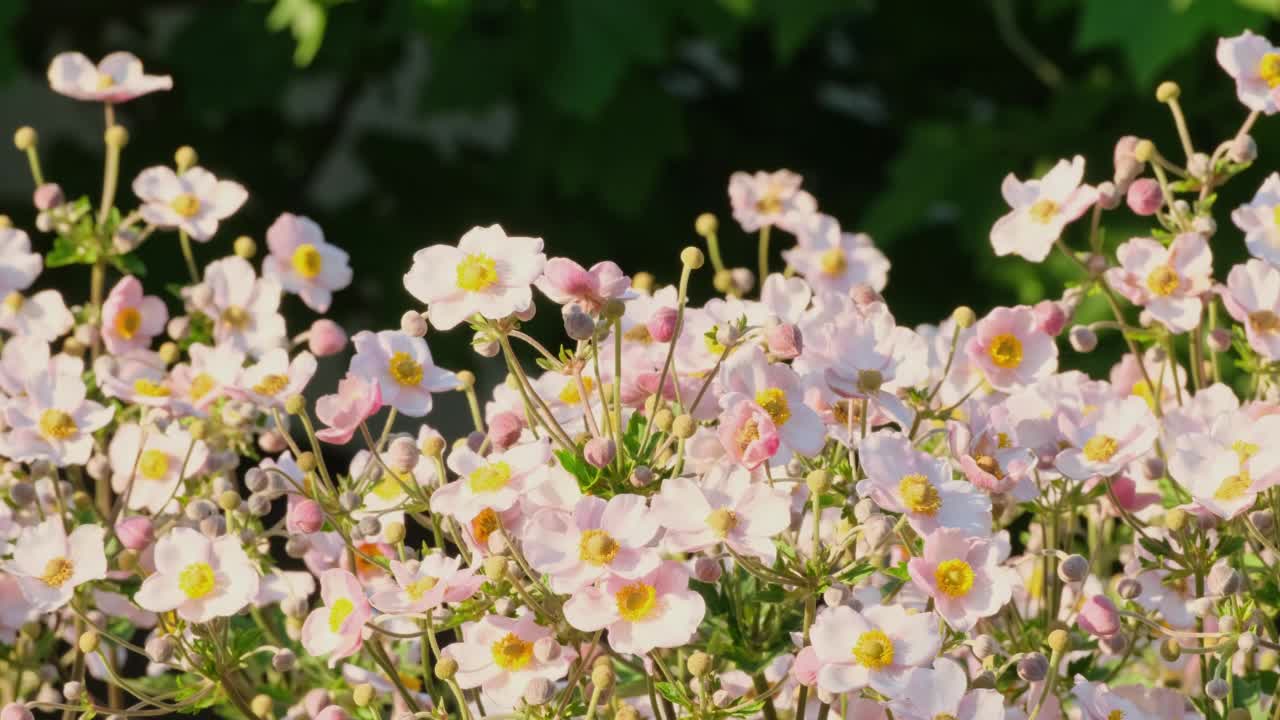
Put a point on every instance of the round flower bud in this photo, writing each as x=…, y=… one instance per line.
x=547, y=649
x=446, y=668
x=539, y=691
x=306, y=516
x=683, y=427
x=15, y=711
x=1050, y=317
x=466, y=379
x=1170, y=650
x=88, y=642
x=707, y=570
x=662, y=324
x=1244, y=149
x=1219, y=340
x=1247, y=641
x=723, y=281
x=784, y=341
x=818, y=481
x=1175, y=519
x=116, y=136
x=24, y=138
x=1224, y=580
x=412, y=323
x=1263, y=520
x=865, y=508
x=706, y=225
x=1127, y=167
x=135, y=532
x=362, y=694
x=284, y=660
x=1168, y=91
x=1098, y=617
x=577, y=323
x=403, y=454
x=73, y=691
x=432, y=446
x=160, y=648
x=600, y=451
x=1033, y=667
x=984, y=646
x=48, y=196
x=245, y=247
x=1115, y=644
x=602, y=675
x=1198, y=165
x=985, y=680
x=743, y=280
x=393, y=532
x=1074, y=569
x=370, y=526
x=1217, y=689
x=326, y=338
x=1082, y=339
x=485, y=346
x=185, y=158
x=698, y=664
x=297, y=546
x=1144, y=197
x=229, y=500
x=259, y=505
x=1059, y=640
x=1109, y=196
x=495, y=567
x=1144, y=150
x=964, y=317
x=22, y=493
x=692, y=257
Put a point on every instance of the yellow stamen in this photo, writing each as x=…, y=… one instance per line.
x=954, y=577
x=307, y=261
x=636, y=601
x=833, y=262
x=196, y=580
x=1006, y=351
x=1163, y=281
x=153, y=465
x=57, y=571
x=1100, y=448
x=127, y=323
x=1269, y=69
x=511, y=652
x=57, y=425
x=339, y=611
x=919, y=495
x=874, y=650
x=774, y=402
x=186, y=205
x=490, y=477
x=597, y=547
x=271, y=384
x=477, y=272
x=150, y=388
x=404, y=369
x=1042, y=211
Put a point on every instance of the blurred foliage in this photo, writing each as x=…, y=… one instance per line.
x=606, y=127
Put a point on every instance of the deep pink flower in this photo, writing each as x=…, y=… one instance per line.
x=356, y=400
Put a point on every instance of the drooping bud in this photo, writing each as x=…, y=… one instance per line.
x=48, y=196
x=1144, y=197
x=1050, y=317
x=600, y=451
x=1082, y=339
x=403, y=454
x=1033, y=667
x=135, y=532
x=1244, y=149
x=413, y=324
x=1074, y=569
x=662, y=324
x=1099, y=617
x=1224, y=580
x=577, y=323
x=326, y=338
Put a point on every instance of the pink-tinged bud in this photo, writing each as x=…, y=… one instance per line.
x=1050, y=317
x=1144, y=196
x=784, y=341
x=272, y=442
x=1128, y=167
x=1109, y=196
x=48, y=196
x=135, y=532
x=1099, y=617
x=331, y=712
x=662, y=326
x=15, y=711
x=863, y=295
x=599, y=451
x=706, y=570
x=805, y=668
x=505, y=429
x=1219, y=340
x=304, y=517
x=326, y=338
x=527, y=314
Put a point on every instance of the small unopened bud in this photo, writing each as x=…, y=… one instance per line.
x=683, y=427
x=706, y=225
x=964, y=317
x=495, y=567
x=784, y=341
x=48, y=196
x=692, y=257
x=1144, y=197
x=539, y=691
x=73, y=691
x=432, y=446
x=642, y=281
x=547, y=649
x=1170, y=650
x=1244, y=149
x=245, y=247
x=466, y=379
x=1050, y=317
x=22, y=493
x=707, y=570
x=1219, y=340
x=1127, y=167
x=413, y=324
x=662, y=324
x=577, y=323
x=1074, y=569
x=1175, y=519
x=1263, y=520
x=1247, y=641
x=161, y=648
x=403, y=454
x=1144, y=150
x=1059, y=640
x=1168, y=91
x=742, y=280
x=88, y=642
x=295, y=404
x=261, y=705
x=723, y=281
x=1082, y=339
x=362, y=694
x=1224, y=580
x=698, y=664
x=984, y=646
x=600, y=451
x=818, y=481
x=326, y=338
x=349, y=500
x=259, y=505
x=446, y=668
x=1099, y=616
x=229, y=500
x=865, y=508
x=985, y=680
x=185, y=158
x=1033, y=667
x=1109, y=196
x=602, y=676
x=24, y=138
x=370, y=526
x=1198, y=165
x=1217, y=689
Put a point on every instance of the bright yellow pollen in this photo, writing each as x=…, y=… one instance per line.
x=271, y=384
x=390, y=487
x=1163, y=281
x=1233, y=487
x=954, y=577
x=597, y=547
x=105, y=81
x=57, y=425
x=150, y=388
x=307, y=261
x=511, y=652
x=1244, y=450
x=874, y=650
x=57, y=571
x=477, y=272
x=484, y=524
x=774, y=402
x=200, y=386
x=196, y=580
x=127, y=322
x=186, y=205
x=919, y=495
x=1115, y=715
x=339, y=611
x=404, y=369
x=833, y=262
x=570, y=395
x=1269, y=69
x=1006, y=351
x=154, y=464
x=420, y=587
x=1100, y=448
x=749, y=433
x=491, y=477
x=1264, y=321
x=1042, y=211
x=636, y=601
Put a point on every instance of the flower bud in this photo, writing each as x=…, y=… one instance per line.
x=539, y=691
x=683, y=427
x=1244, y=149
x=698, y=664
x=1263, y=520
x=1082, y=339
x=1144, y=197
x=305, y=516
x=547, y=649
x=22, y=493
x=295, y=404
x=662, y=324
x=706, y=570
x=1127, y=167
x=1217, y=689
x=1170, y=650
x=692, y=257
x=865, y=508
x=1050, y=317
x=1058, y=640
x=1074, y=569
x=135, y=532
x=160, y=648
x=1219, y=340
x=466, y=379
x=818, y=481
x=15, y=711
x=370, y=526
x=835, y=596
x=602, y=675
x=984, y=646
x=706, y=224
x=964, y=317
x=1099, y=617
x=1168, y=91
x=73, y=691
x=412, y=323
x=1247, y=641
x=326, y=338
x=284, y=660
x=1033, y=667
x=24, y=138
x=48, y=196
x=1198, y=165
x=362, y=694
x=577, y=323
x=784, y=341
x=1175, y=519
x=88, y=642
x=1109, y=196
x=261, y=705
x=723, y=281
x=403, y=454
x=600, y=451
x=1224, y=580
x=116, y=136
x=1115, y=644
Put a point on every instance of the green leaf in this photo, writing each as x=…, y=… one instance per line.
x=68, y=250
x=305, y=20
x=129, y=264
x=672, y=693
x=604, y=39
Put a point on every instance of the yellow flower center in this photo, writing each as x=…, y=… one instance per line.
x=570, y=395
x=13, y=301
x=954, y=577
x=235, y=317
x=339, y=611
x=186, y=205
x=1043, y=210
x=639, y=334
x=271, y=384
x=919, y=495
x=200, y=386
x=196, y=580
x=1003, y=441
x=1264, y=321
x=1115, y=715
x=150, y=388
x=749, y=433
x=636, y=601
x=1269, y=69
x=833, y=262
x=713, y=345
x=105, y=81
x=404, y=369
x=1100, y=448
x=774, y=402
x=477, y=272
x=874, y=650
x=390, y=487
x=1233, y=487
x=511, y=652
x=1163, y=281
x=722, y=521
x=57, y=425
x=597, y=547
x=989, y=465
x=944, y=716
x=770, y=203
x=307, y=261
x=57, y=571
x=153, y=464
x=127, y=322
x=420, y=587
x=1006, y=351
x=1244, y=450
x=490, y=477
x=484, y=524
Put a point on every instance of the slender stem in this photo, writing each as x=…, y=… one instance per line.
x=189, y=256
x=764, y=254
x=1181, y=122
x=33, y=159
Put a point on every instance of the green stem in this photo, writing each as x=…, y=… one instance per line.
x=764, y=255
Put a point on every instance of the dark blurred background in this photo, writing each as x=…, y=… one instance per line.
x=606, y=126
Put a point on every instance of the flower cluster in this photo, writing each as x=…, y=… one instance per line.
x=782, y=503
